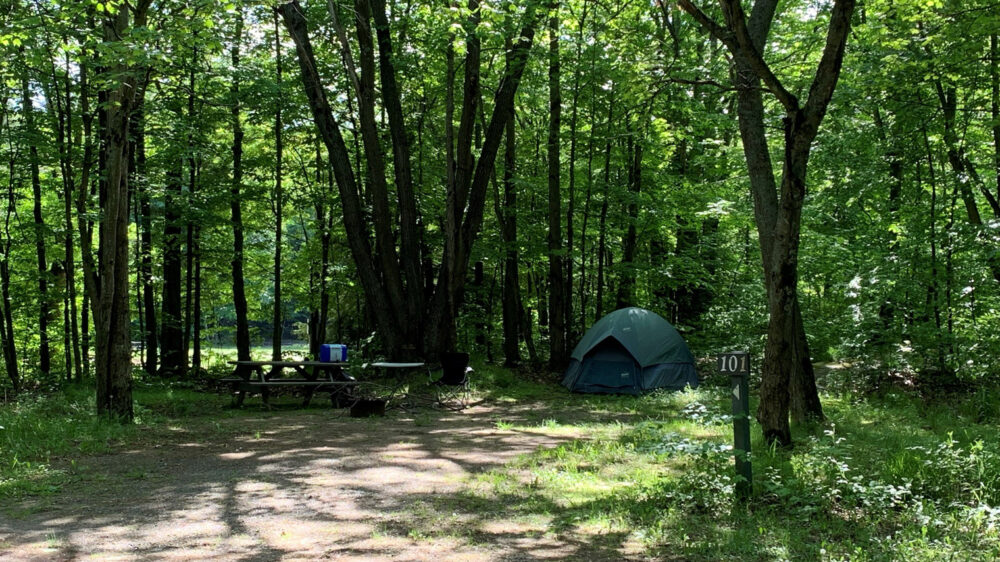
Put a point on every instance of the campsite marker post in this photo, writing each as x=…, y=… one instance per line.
x=737, y=365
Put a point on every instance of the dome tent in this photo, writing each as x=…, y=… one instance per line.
x=630, y=351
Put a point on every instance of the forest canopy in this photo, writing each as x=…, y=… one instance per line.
x=186, y=176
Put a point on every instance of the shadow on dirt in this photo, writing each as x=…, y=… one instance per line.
x=306, y=483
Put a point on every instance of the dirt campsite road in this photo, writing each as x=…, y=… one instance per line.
x=295, y=485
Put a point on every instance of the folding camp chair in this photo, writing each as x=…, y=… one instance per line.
x=453, y=386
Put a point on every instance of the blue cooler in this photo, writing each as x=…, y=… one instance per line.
x=333, y=352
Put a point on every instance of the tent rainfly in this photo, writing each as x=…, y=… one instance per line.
x=630, y=351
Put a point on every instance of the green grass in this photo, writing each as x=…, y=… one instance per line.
x=890, y=478
x=216, y=357
x=886, y=478
x=40, y=436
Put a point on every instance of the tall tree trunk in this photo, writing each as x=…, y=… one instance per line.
x=410, y=232
x=44, y=355
x=571, y=205
x=453, y=272
x=440, y=322
x=60, y=107
x=995, y=106
x=145, y=227
x=84, y=225
x=358, y=240
x=70, y=251
x=603, y=219
x=557, y=282
x=192, y=315
x=383, y=286
x=511, y=278
x=965, y=172
x=787, y=367
x=318, y=276
x=279, y=201
x=239, y=291
x=8, y=344
x=174, y=361
x=382, y=216
x=887, y=310
x=197, y=317
x=933, y=302
x=189, y=257
x=588, y=198
x=633, y=163
x=114, y=375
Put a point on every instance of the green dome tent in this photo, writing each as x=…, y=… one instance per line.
x=630, y=351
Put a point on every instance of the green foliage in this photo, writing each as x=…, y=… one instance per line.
x=35, y=431
x=885, y=479
x=41, y=436
x=894, y=276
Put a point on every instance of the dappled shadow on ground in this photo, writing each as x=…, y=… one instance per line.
x=307, y=484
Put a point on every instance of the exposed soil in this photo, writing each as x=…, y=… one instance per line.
x=295, y=485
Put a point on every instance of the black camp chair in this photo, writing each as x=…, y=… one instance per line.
x=452, y=389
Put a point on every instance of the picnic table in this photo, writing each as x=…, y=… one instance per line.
x=261, y=376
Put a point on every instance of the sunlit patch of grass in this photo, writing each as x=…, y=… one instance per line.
x=42, y=435
x=882, y=479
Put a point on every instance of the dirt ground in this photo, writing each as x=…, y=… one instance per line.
x=294, y=485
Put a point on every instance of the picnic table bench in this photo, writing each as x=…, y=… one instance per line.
x=261, y=376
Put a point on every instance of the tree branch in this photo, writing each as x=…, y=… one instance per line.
x=717, y=31
x=828, y=70
x=732, y=10
x=739, y=42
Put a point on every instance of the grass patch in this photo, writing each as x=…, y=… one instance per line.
x=886, y=478
x=41, y=436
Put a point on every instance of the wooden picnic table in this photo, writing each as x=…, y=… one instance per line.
x=261, y=376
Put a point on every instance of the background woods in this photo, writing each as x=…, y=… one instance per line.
x=182, y=177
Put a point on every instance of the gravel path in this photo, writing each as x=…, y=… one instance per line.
x=292, y=486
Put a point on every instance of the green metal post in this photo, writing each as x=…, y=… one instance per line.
x=737, y=365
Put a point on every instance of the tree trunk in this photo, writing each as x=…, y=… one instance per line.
x=145, y=227
x=320, y=308
x=382, y=284
x=626, y=282
x=174, y=361
x=995, y=106
x=192, y=317
x=603, y=219
x=965, y=172
x=60, y=106
x=111, y=310
x=557, y=282
x=239, y=291
x=571, y=204
x=887, y=310
x=197, y=319
x=787, y=366
x=279, y=201
x=44, y=355
x=8, y=344
x=503, y=107
x=74, y=367
x=382, y=216
x=587, y=201
x=511, y=274
x=358, y=240
x=410, y=232
x=9, y=347
x=84, y=225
